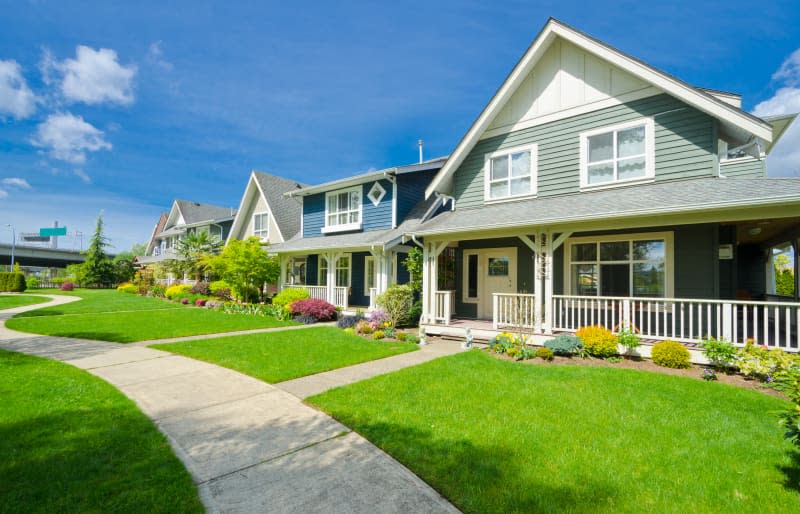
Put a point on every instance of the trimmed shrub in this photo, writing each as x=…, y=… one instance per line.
x=670, y=354
x=544, y=353
x=761, y=362
x=200, y=287
x=363, y=327
x=220, y=289
x=67, y=286
x=305, y=319
x=350, y=331
x=349, y=321
x=126, y=287
x=565, y=345
x=629, y=340
x=290, y=295
x=3, y=281
x=401, y=336
x=185, y=301
x=200, y=302
x=397, y=301
x=178, y=289
x=156, y=291
x=378, y=335
x=598, y=341
x=16, y=283
x=33, y=283
x=320, y=310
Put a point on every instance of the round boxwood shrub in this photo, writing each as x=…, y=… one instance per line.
x=544, y=353
x=288, y=296
x=220, y=289
x=67, y=286
x=378, y=334
x=598, y=341
x=670, y=354
x=177, y=290
x=564, y=345
x=127, y=287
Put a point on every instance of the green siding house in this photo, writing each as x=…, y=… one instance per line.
x=595, y=189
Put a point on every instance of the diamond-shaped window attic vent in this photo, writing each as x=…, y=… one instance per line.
x=376, y=193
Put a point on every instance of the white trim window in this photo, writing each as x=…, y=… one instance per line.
x=635, y=265
x=619, y=154
x=370, y=274
x=296, y=270
x=343, y=210
x=510, y=173
x=261, y=225
x=342, y=271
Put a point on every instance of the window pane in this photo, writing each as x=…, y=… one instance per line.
x=648, y=279
x=521, y=164
x=355, y=200
x=341, y=278
x=520, y=186
x=498, y=189
x=498, y=267
x=342, y=218
x=499, y=167
x=584, y=252
x=599, y=173
x=331, y=219
x=616, y=251
x=342, y=201
x=354, y=217
x=630, y=142
x=601, y=147
x=472, y=276
x=648, y=250
x=631, y=168
x=615, y=279
x=584, y=279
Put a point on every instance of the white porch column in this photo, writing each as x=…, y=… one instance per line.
x=427, y=299
x=535, y=246
x=331, y=258
x=282, y=260
x=547, y=257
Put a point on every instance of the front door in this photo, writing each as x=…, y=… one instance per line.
x=498, y=274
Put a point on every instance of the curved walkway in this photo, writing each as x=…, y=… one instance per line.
x=250, y=446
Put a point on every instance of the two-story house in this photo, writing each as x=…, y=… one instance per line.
x=596, y=189
x=350, y=245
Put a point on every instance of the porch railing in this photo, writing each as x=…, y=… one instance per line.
x=774, y=324
x=513, y=310
x=444, y=306
x=321, y=293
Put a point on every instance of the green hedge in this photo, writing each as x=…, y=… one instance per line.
x=11, y=282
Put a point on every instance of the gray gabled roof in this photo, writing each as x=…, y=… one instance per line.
x=194, y=212
x=655, y=199
x=286, y=211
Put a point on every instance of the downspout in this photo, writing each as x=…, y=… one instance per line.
x=414, y=239
x=445, y=198
x=393, y=179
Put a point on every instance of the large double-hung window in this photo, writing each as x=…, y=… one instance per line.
x=621, y=266
x=622, y=153
x=261, y=225
x=341, y=271
x=510, y=173
x=343, y=210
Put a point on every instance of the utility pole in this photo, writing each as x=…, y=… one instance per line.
x=13, y=243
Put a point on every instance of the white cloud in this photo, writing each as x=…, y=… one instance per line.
x=156, y=56
x=67, y=138
x=20, y=183
x=83, y=176
x=93, y=77
x=16, y=98
x=785, y=157
x=3, y=194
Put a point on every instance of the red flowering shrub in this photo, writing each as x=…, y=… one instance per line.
x=67, y=286
x=200, y=302
x=319, y=309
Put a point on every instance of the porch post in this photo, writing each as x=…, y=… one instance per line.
x=548, y=283
x=282, y=260
x=330, y=258
x=426, y=280
x=538, y=289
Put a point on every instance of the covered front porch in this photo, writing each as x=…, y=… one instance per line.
x=735, y=280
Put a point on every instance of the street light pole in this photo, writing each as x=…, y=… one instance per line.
x=13, y=243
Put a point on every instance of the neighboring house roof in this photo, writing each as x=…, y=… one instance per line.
x=285, y=211
x=698, y=98
x=362, y=240
x=194, y=212
x=430, y=164
x=162, y=221
x=657, y=199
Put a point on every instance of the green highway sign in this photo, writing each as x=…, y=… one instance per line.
x=53, y=231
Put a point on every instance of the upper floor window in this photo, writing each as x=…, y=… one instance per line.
x=343, y=210
x=616, y=154
x=261, y=225
x=510, y=173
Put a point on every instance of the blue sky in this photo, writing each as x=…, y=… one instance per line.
x=123, y=106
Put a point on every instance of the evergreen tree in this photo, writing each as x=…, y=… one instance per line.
x=98, y=269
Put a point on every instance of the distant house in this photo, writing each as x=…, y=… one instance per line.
x=350, y=245
x=596, y=189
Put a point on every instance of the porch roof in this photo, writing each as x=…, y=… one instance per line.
x=655, y=199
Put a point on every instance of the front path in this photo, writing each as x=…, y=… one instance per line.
x=250, y=446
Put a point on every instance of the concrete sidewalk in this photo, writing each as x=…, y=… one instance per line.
x=250, y=446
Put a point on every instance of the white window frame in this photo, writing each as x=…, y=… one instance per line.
x=369, y=277
x=322, y=279
x=669, y=262
x=262, y=234
x=290, y=266
x=487, y=172
x=344, y=226
x=465, y=298
x=649, y=153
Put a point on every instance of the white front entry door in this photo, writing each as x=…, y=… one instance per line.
x=498, y=274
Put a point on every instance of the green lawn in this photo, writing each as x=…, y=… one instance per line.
x=69, y=442
x=11, y=301
x=498, y=436
x=278, y=356
x=101, y=300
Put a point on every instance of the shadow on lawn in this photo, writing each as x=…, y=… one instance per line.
x=486, y=479
x=792, y=472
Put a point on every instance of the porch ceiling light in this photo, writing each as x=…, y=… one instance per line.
x=754, y=231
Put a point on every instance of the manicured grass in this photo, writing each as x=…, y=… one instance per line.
x=9, y=302
x=278, y=356
x=100, y=300
x=69, y=442
x=498, y=436
x=127, y=327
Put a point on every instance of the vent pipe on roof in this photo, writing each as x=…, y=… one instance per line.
x=420, y=143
